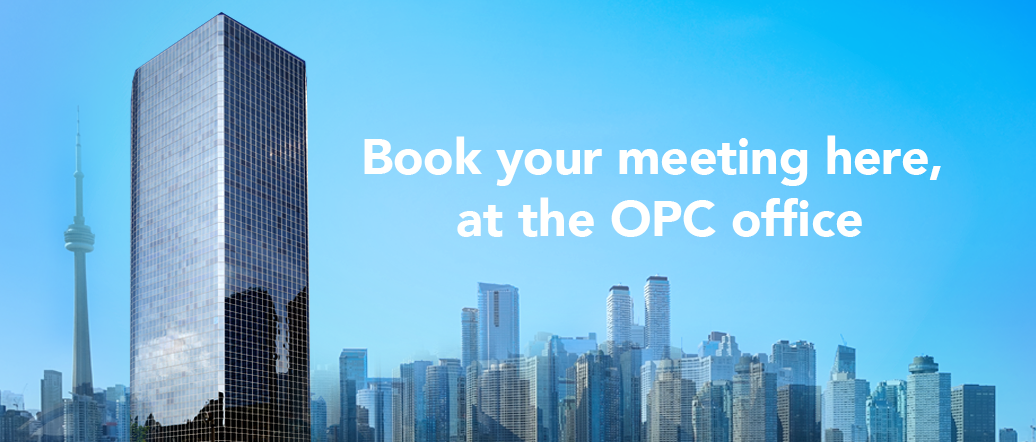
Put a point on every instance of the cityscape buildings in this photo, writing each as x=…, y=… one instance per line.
x=219, y=269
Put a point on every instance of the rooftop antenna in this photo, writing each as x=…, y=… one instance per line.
x=846, y=344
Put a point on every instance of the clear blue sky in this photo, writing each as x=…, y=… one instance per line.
x=942, y=267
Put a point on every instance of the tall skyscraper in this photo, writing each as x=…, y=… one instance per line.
x=51, y=407
x=317, y=418
x=620, y=314
x=973, y=413
x=928, y=402
x=670, y=403
x=377, y=400
x=795, y=363
x=468, y=336
x=598, y=412
x=352, y=365
x=412, y=415
x=325, y=381
x=755, y=400
x=845, y=400
x=656, y=325
x=499, y=403
x=444, y=401
x=713, y=412
x=219, y=269
x=1008, y=435
x=886, y=412
x=497, y=322
x=798, y=419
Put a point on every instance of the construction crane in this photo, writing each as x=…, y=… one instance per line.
x=846, y=344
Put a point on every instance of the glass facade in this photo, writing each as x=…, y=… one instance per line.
x=219, y=259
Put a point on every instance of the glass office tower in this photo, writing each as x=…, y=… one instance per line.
x=219, y=242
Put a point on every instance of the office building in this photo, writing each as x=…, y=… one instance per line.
x=1008, y=435
x=798, y=419
x=598, y=406
x=755, y=400
x=219, y=269
x=499, y=403
x=795, y=363
x=318, y=418
x=670, y=403
x=325, y=381
x=497, y=322
x=51, y=407
x=886, y=412
x=928, y=417
x=445, y=401
x=352, y=366
x=845, y=400
x=412, y=419
x=468, y=336
x=376, y=400
x=656, y=317
x=712, y=412
x=973, y=413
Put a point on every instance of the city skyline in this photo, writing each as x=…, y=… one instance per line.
x=939, y=263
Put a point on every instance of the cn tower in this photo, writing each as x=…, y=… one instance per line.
x=80, y=241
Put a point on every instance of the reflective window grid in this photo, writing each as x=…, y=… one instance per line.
x=219, y=264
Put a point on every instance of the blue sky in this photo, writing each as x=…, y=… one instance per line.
x=942, y=267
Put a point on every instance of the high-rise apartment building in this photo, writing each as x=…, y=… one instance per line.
x=886, y=412
x=928, y=411
x=656, y=318
x=845, y=400
x=973, y=413
x=219, y=269
x=468, y=336
x=620, y=314
x=497, y=322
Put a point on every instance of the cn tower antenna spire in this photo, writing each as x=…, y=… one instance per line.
x=80, y=241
